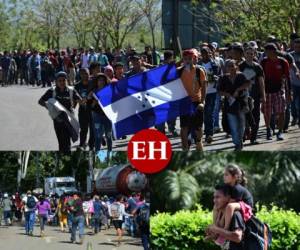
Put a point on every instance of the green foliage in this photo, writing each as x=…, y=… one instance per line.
x=285, y=226
x=186, y=229
x=183, y=230
x=273, y=177
x=53, y=24
x=247, y=20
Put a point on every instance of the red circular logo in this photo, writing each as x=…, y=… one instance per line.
x=149, y=151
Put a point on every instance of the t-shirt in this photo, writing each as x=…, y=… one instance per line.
x=77, y=208
x=236, y=223
x=241, y=193
x=232, y=105
x=212, y=85
x=85, y=61
x=252, y=73
x=103, y=60
x=84, y=90
x=122, y=210
x=275, y=71
x=61, y=96
x=24, y=200
x=294, y=78
x=7, y=204
x=43, y=208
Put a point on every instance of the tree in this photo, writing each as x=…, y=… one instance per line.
x=80, y=19
x=123, y=16
x=152, y=11
x=51, y=16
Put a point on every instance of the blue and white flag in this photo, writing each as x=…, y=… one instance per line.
x=144, y=100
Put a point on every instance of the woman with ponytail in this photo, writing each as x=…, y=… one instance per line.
x=241, y=199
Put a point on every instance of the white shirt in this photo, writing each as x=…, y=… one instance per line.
x=85, y=61
x=211, y=86
x=122, y=208
x=24, y=200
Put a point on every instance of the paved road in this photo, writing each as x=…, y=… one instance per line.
x=13, y=238
x=26, y=126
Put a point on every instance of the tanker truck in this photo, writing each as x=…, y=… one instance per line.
x=119, y=179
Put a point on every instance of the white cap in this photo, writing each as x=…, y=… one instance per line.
x=215, y=45
x=253, y=44
x=5, y=195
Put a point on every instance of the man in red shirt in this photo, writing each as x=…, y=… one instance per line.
x=277, y=77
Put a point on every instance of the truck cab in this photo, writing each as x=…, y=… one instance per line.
x=59, y=185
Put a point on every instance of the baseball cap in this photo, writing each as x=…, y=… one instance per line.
x=270, y=46
x=61, y=74
x=253, y=44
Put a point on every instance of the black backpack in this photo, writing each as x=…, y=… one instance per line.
x=30, y=202
x=258, y=235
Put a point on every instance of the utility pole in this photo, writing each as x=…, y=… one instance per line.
x=37, y=173
x=176, y=27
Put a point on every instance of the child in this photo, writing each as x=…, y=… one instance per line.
x=241, y=199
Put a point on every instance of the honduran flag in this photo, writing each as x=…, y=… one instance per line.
x=145, y=100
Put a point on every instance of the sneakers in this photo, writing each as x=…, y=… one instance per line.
x=279, y=136
x=217, y=130
x=269, y=134
x=294, y=122
x=209, y=139
x=80, y=241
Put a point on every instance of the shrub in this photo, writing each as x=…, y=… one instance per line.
x=186, y=229
x=285, y=226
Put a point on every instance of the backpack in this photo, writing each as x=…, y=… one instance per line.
x=144, y=215
x=258, y=235
x=115, y=210
x=30, y=202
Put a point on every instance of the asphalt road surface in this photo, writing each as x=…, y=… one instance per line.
x=13, y=238
x=25, y=125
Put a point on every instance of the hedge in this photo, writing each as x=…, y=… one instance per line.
x=185, y=229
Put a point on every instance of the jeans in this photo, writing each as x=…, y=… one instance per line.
x=29, y=221
x=63, y=136
x=86, y=124
x=78, y=221
x=145, y=241
x=102, y=125
x=256, y=117
x=209, y=108
x=237, y=127
x=296, y=102
x=217, y=111
x=6, y=215
x=69, y=221
x=43, y=220
x=287, y=117
x=131, y=226
x=97, y=224
x=171, y=126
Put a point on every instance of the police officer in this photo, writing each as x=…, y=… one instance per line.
x=68, y=98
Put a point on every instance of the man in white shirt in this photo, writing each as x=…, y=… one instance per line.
x=29, y=206
x=85, y=60
x=117, y=211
